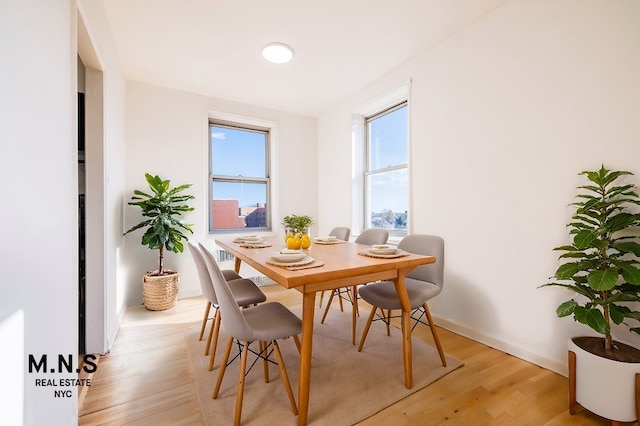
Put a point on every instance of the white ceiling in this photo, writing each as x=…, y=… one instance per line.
x=213, y=47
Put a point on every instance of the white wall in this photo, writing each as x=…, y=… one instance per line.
x=38, y=168
x=167, y=135
x=505, y=113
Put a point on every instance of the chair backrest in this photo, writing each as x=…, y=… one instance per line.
x=372, y=236
x=341, y=233
x=203, y=274
x=233, y=320
x=427, y=245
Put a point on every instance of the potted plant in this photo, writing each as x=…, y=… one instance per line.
x=164, y=230
x=297, y=224
x=297, y=231
x=601, y=267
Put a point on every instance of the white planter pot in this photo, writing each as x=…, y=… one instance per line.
x=604, y=386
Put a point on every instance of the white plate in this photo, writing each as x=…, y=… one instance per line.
x=326, y=239
x=290, y=251
x=250, y=239
x=387, y=250
x=288, y=258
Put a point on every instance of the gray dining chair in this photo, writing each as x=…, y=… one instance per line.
x=369, y=237
x=341, y=233
x=265, y=323
x=423, y=284
x=245, y=291
x=229, y=274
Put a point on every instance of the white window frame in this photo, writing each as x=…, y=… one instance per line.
x=392, y=97
x=249, y=123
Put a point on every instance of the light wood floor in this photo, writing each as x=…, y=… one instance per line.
x=146, y=379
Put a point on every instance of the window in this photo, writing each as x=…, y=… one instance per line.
x=239, y=177
x=385, y=174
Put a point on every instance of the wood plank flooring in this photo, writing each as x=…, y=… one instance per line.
x=146, y=379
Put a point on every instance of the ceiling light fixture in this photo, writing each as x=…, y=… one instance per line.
x=278, y=53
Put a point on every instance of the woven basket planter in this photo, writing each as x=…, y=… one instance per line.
x=160, y=292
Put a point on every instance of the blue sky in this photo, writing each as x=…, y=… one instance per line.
x=388, y=148
x=234, y=146
x=388, y=135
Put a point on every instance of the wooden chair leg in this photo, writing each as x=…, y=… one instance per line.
x=285, y=378
x=204, y=320
x=241, y=378
x=326, y=310
x=320, y=301
x=354, y=299
x=264, y=346
x=387, y=320
x=223, y=367
x=297, y=340
x=215, y=328
x=213, y=325
x=435, y=334
x=340, y=299
x=366, y=328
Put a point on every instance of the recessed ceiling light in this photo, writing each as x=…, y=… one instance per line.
x=278, y=53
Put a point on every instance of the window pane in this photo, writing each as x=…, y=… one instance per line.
x=387, y=202
x=239, y=205
x=388, y=139
x=237, y=152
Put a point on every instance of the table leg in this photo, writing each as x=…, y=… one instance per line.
x=308, y=307
x=236, y=266
x=406, y=349
x=354, y=311
x=401, y=288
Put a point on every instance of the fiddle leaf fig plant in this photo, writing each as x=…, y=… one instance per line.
x=601, y=263
x=161, y=209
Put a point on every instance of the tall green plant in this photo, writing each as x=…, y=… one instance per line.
x=163, y=228
x=602, y=264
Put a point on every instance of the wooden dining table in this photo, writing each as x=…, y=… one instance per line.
x=335, y=266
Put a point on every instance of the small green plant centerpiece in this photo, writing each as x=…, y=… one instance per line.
x=601, y=267
x=297, y=231
x=297, y=224
x=163, y=231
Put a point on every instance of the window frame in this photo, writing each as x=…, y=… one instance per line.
x=251, y=125
x=385, y=102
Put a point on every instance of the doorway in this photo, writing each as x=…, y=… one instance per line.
x=81, y=228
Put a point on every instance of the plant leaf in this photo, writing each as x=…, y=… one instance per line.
x=603, y=280
x=616, y=314
x=567, y=308
x=568, y=270
x=593, y=318
x=583, y=239
x=628, y=247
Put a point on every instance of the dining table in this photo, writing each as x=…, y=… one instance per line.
x=335, y=264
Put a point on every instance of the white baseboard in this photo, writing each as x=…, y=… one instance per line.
x=514, y=350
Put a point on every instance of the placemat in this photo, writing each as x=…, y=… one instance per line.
x=399, y=253
x=329, y=242
x=255, y=245
x=295, y=266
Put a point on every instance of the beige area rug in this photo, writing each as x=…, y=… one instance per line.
x=347, y=386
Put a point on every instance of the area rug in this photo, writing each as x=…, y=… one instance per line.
x=347, y=386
